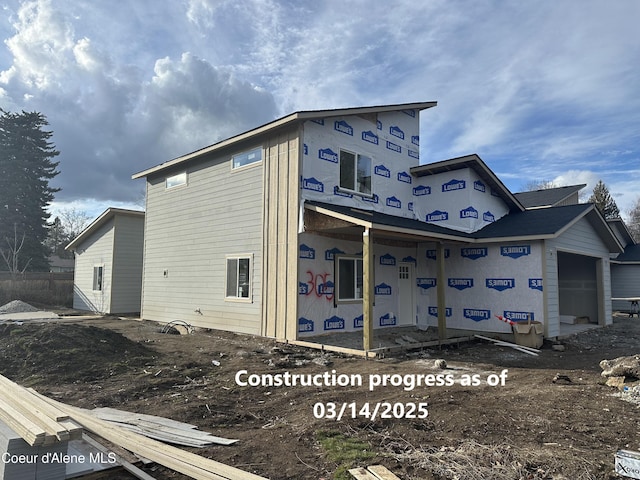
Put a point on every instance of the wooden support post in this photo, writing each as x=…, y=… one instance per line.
x=368, y=289
x=440, y=291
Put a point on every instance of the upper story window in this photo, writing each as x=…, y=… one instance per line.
x=176, y=180
x=246, y=158
x=355, y=172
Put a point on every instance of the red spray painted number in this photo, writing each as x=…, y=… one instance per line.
x=320, y=285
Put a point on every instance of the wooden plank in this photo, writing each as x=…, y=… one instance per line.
x=129, y=467
x=368, y=296
x=29, y=431
x=382, y=473
x=362, y=474
x=440, y=292
x=44, y=408
x=174, y=458
x=331, y=348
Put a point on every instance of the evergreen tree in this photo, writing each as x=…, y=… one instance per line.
x=604, y=201
x=26, y=166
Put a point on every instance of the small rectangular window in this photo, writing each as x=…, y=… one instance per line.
x=355, y=172
x=247, y=158
x=97, y=278
x=349, y=276
x=176, y=180
x=238, y=278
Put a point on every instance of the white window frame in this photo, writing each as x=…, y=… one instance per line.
x=175, y=181
x=356, y=259
x=249, y=285
x=356, y=187
x=250, y=161
x=98, y=278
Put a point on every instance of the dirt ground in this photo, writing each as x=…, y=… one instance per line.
x=529, y=428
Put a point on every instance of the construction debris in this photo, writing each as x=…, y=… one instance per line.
x=374, y=472
x=520, y=348
x=40, y=420
x=628, y=367
x=160, y=428
x=17, y=306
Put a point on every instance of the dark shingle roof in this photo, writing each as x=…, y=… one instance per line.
x=631, y=255
x=547, y=197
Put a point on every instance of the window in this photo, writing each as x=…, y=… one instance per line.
x=176, y=180
x=247, y=158
x=349, y=278
x=97, y=278
x=355, y=172
x=238, y=278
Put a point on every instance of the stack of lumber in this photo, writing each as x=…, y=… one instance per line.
x=37, y=422
x=20, y=407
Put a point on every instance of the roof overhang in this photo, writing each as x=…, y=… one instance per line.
x=102, y=219
x=475, y=163
x=281, y=123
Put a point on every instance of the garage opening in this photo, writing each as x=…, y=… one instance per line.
x=579, y=291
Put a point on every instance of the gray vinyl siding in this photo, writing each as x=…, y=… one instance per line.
x=580, y=239
x=96, y=250
x=189, y=231
x=127, y=258
x=625, y=283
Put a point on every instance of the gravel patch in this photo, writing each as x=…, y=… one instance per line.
x=17, y=306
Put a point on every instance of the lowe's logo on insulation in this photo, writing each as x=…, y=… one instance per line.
x=334, y=323
x=393, y=147
x=306, y=149
x=370, y=137
x=341, y=193
x=453, y=185
x=343, y=127
x=319, y=121
x=331, y=254
x=474, y=253
x=383, y=289
x=518, y=316
x=515, y=251
x=307, y=252
x=500, y=284
x=404, y=177
x=469, y=212
x=387, y=259
x=461, y=283
x=433, y=311
x=382, y=171
x=535, y=284
x=415, y=139
x=432, y=253
x=411, y=113
x=387, y=319
x=437, y=216
x=303, y=288
x=373, y=199
x=325, y=288
x=475, y=314
x=413, y=153
x=410, y=206
x=378, y=124
x=394, y=202
x=358, y=322
x=312, y=184
x=421, y=190
x=328, y=155
x=488, y=217
x=396, y=131
x=478, y=185
x=409, y=259
x=305, y=325
x=426, y=283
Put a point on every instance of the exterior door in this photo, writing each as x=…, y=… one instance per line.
x=406, y=294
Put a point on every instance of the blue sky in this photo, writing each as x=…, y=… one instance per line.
x=546, y=90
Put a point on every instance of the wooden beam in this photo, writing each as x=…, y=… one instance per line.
x=368, y=289
x=382, y=473
x=440, y=292
x=331, y=348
